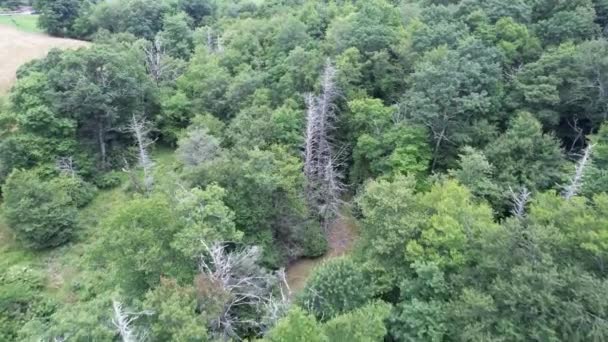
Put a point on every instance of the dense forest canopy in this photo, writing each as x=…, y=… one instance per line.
x=157, y=183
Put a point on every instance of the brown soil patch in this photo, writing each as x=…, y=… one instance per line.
x=341, y=238
x=18, y=47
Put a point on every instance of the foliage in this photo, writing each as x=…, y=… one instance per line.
x=336, y=287
x=175, y=314
x=41, y=213
x=136, y=244
x=457, y=125
x=58, y=17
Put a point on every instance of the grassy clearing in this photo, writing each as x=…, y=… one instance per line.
x=65, y=267
x=27, y=23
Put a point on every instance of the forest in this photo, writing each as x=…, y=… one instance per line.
x=158, y=184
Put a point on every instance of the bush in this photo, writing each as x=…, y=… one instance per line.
x=108, y=180
x=21, y=299
x=315, y=243
x=41, y=213
x=81, y=192
x=336, y=287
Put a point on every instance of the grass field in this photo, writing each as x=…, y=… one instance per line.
x=27, y=23
x=18, y=47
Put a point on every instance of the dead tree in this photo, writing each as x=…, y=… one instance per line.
x=320, y=165
x=140, y=129
x=65, y=166
x=155, y=52
x=123, y=323
x=244, y=283
x=576, y=182
x=519, y=200
x=160, y=66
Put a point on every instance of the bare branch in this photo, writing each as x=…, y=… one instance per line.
x=140, y=129
x=65, y=166
x=238, y=275
x=122, y=322
x=520, y=200
x=320, y=166
x=576, y=182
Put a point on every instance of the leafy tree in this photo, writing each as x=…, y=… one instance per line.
x=205, y=84
x=264, y=189
x=477, y=174
x=515, y=40
x=206, y=218
x=40, y=213
x=376, y=32
x=57, y=17
x=525, y=156
x=176, y=36
x=141, y=18
x=365, y=324
x=336, y=287
x=576, y=24
x=175, y=315
x=198, y=10
x=385, y=147
x=564, y=89
x=453, y=90
x=136, y=244
x=296, y=326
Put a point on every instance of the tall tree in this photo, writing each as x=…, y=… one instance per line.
x=320, y=161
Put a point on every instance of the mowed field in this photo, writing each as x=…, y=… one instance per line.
x=18, y=47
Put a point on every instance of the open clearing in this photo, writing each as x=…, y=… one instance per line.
x=24, y=22
x=19, y=47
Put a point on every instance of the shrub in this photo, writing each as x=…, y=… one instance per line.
x=336, y=287
x=41, y=213
x=81, y=192
x=108, y=180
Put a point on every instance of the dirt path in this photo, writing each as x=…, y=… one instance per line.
x=18, y=47
x=341, y=239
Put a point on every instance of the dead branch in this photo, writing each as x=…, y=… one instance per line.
x=320, y=166
x=576, y=182
x=519, y=200
x=140, y=129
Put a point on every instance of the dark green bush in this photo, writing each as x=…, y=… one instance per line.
x=41, y=213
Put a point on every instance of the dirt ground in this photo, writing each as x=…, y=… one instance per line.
x=341, y=238
x=18, y=47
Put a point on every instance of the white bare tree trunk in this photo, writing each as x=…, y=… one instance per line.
x=247, y=284
x=520, y=200
x=140, y=129
x=576, y=182
x=320, y=165
x=122, y=322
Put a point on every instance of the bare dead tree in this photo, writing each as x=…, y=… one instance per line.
x=519, y=200
x=65, y=166
x=140, y=129
x=123, y=323
x=238, y=275
x=320, y=164
x=576, y=182
x=160, y=66
x=155, y=53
